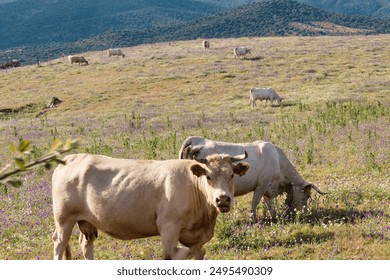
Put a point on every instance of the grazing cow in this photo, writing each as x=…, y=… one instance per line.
x=129, y=199
x=264, y=94
x=270, y=175
x=206, y=44
x=77, y=59
x=241, y=51
x=13, y=63
x=117, y=52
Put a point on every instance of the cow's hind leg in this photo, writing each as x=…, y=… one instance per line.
x=61, y=238
x=88, y=234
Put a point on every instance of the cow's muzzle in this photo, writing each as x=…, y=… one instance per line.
x=224, y=203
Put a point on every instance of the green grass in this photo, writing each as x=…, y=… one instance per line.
x=334, y=126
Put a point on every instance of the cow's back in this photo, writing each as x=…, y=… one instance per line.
x=262, y=158
x=118, y=195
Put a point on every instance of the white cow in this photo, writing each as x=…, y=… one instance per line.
x=77, y=59
x=264, y=94
x=270, y=175
x=241, y=51
x=129, y=199
x=117, y=52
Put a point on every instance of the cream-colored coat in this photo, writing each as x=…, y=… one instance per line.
x=129, y=199
x=270, y=175
x=77, y=59
x=264, y=94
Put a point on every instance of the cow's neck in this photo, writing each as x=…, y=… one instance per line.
x=204, y=207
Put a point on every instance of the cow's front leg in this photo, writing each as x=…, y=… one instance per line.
x=169, y=233
x=271, y=207
x=257, y=195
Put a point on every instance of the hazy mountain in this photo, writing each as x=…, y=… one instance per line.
x=280, y=18
x=272, y=18
x=33, y=22
x=377, y=8
x=227, y=3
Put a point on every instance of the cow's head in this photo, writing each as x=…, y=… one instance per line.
x=279, y=100
x=217, y=172
x=298, y=196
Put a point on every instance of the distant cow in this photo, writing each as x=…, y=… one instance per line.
x=206, y=44
x=115, y=52
x=271, y=173
x=129, y=199
x=241, y=51
x=77, y=59
x=264, y=94
x=9, y=64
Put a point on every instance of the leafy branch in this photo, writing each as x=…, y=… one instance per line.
x=58, y=148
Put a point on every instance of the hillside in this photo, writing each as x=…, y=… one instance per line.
x=272, y=18
x=227, y=3
x=376, y=8
x=280, y=18
x=27, y=22
x=334, y=126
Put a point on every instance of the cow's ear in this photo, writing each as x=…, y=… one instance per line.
x=240, y=168
x=198, y=170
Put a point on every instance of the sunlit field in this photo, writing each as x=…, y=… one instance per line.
x=334, y=126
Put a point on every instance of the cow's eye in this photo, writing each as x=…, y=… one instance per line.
x=208, y=178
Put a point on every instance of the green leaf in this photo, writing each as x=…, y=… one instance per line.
x=20, y=163
x=24, y=146
x=71, y=144
x=13, y=148
x=57, y=144
x=15, y=183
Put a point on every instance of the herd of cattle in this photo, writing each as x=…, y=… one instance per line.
x=81, y=59
x=267, y=94
x=178, y=199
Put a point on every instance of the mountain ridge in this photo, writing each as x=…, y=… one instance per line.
x=264, y=18
x=27, y=22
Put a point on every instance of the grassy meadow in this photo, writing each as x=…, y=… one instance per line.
x=334, y=126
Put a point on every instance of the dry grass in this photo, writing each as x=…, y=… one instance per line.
x=334, y=126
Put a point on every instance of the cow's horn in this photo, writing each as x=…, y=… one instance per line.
x=239, y=157
x=317, y=189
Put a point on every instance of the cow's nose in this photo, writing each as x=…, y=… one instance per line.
x=223, y=201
